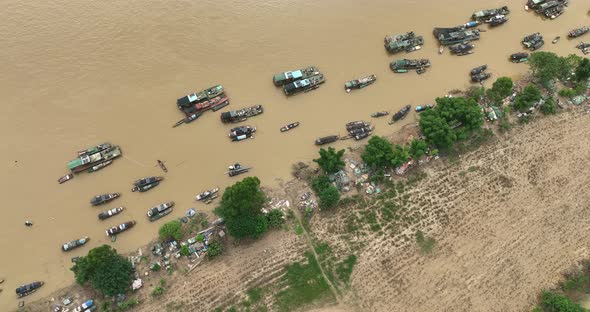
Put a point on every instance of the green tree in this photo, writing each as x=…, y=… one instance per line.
x=171, y=230
x=583, y=70
x=214, y=249
x=400, y=155
x=553, y=302
x=527, y=98
x=378, y=152
x=320, y=183
x=460, y=111
x=184, y=250
x=330, y=160
x=329, y=197
x=105, y=270
x=501, y=88
x=549, y=107
x=418, y=148
x=241, y=206
x=547, y=66
x=275, y=218
x=436, y=129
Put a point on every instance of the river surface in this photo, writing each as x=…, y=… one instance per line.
x=78, y=73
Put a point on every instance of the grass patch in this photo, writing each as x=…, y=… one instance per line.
x=344, y=269
x=305, y=285
x=254, y=294
x=298, y=229
x=426, y=244
x=473, y=168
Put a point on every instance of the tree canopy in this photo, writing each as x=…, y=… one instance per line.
x=105, y=270
x=553, y=302
x=330, y=160
x=171, y=230
x=436, y=129
x=418, y=148
x=547, y=66
x=501, y=88
x=241, y=206
x=583, y=70
x=327, y=193
x=380, y=153
x=527, y=98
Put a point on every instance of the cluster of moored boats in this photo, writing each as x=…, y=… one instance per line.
x=300, y=80
x=479, y=74
x=359, y=129
x=547, y=8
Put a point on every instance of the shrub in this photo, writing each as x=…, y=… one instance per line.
x=549, y=107
x=171, y=230
x=330, y=160
x=214, y=249
x=527, y=98
x=276, y=218
x=105, y=270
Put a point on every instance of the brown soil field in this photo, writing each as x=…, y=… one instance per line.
x=508, y=218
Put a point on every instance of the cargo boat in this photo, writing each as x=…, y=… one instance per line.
x=533, y=41
x=478, y=70
x=290, y=126
x=75, y=243
x=304, y=85
x=104, y=198
x=519, y=57
x=25, y=290
x=120, y=228
x=326, y=139
x=290, y=76
x=242, y=133
x=480, y=77
x=407, y=42
x=497, y=20
x=359, y=83
x=241, y=114
x=401, y=114
x=404, y=65
x=160, y=211
x=109, y=213
x=88, y=160
x=206, y=194
x=143, y=183
x=95, y=149
x=461, y=49
x=578, y=32
x=484, y=15
x=454, y=35
x=193, y=99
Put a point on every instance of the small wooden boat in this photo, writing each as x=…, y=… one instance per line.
x=379, y=114
x=101, y=199
x=441, y=49
x=206, y=194
x=210, y=199
x=401, y=114
x=162, y=166
x=75, y=244
x=109, y=213
x=290, y=126
x=65, y=178
x=235, y=172
x=556, y=39
x=120, y=228
x=28, y=289
x=99, y=166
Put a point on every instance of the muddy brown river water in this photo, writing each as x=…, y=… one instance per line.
x=78, y=73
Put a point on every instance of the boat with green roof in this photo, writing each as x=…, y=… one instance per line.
x=91, y=158
x=290, y=76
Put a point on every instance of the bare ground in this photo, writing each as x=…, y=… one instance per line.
x=508, y=218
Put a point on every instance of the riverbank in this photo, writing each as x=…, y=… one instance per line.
x=66, y=88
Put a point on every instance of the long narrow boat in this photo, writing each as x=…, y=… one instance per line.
x=359, y=83
x=111, y=212
x=65, y=178
x=160, y=211
x=120, y=228
x=401, y=114
x=210, y=199
x=379, y=114
x=75, y=243
x=145, y=188
x=143, y=185
x=235, y=172
x=25, y=290
x=326, y=139
x=104, y=198
x=206, y=194
x=162, y=166
x=99, y=166
x=290, y=126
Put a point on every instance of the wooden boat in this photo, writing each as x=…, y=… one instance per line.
x=290, y=126
x=359, y=83
x=211, y=199
x=75, y=243
x=145, y=188
x=28, y=289
x=111, y=212
x=206, y=194
x=555, y=40
x=145, y=184
x=162, y=166
x=379, y=114
x=326, y=139
x=578, y=32
x=235, y=172
x=401, y=114
x=478, y=70
x=120, y=228
x=160, y=211
x=441, y=49
x=99, y=166
x=65, y=178
x=104, y=198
